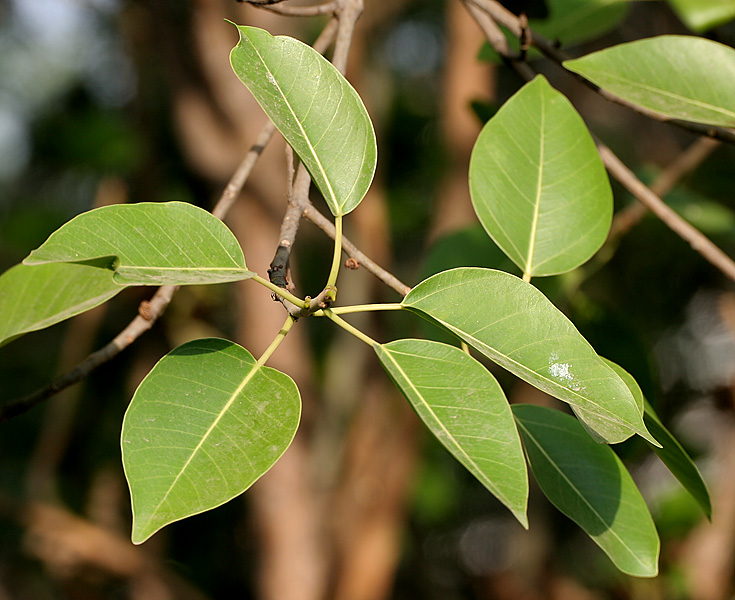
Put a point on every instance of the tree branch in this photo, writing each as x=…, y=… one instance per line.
x=501, y=15
x=684, y=164
x=300, y=11
x=697, y=240
x=151, y=310
x=347, y=13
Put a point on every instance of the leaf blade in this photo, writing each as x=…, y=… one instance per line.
x=315, y=108
x=676, y=459
x=550, y=183
x=464, y=407
x=36, y=297
x=680, y=77
x=149, y=243
x=516, y=326
x=589, y=484
x=203, y=426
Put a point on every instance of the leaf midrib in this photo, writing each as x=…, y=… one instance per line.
x=578, y=493
x=649, y=88
x=425, y=404
x=255, y=369
x=311, y=148
x=539, y=186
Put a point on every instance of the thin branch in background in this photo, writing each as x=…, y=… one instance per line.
x=149, y=311
x=507, y=19
x=684, y=164
x=698, y=241
x=318, y=219
x=300, y=11
x=237, y=181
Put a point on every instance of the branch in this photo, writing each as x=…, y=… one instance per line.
x=347, y=13
x=671, y=219
x=300, y=11
x=684, y=164
x=151, y=310
x=501, y=15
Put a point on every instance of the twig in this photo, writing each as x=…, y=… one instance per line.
x=237, y=181
x=138, y=326
x=691, y=234
x=684, y=164
x=347, y=12
x=313, y=215
x=507, y=19
x=301, y=11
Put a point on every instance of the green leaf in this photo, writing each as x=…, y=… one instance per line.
x=591, y=421
x=203, y=426
x=680, y=77
x=537, y=182
x=570, y=22
x=33, y=298
x=673, y=455
x=148, y=244
x=315, y=108
x=576, y=21
x=589, y=484
x=701, y=15
x=515, y=325
x=465, y=408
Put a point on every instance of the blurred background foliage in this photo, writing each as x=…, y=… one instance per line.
x=105, y=101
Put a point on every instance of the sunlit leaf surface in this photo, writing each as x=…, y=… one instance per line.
x=537, y=182
x=516, y=326
x=315, y=108
x=465, y=408
x=149, y=243
x=681, y=77
x=204, y=424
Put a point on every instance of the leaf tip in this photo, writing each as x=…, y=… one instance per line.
x=646, y=435
x=522, y=518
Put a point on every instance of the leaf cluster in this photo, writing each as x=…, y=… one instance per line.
x=210, y=418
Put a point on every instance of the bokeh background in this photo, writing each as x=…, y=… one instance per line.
x=110, y=101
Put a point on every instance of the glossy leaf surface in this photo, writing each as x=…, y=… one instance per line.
x=464, y=407
x=315, y=108
x=588, y=483
x=35, y=297
x=204, y=424
x=676, y=459
x=680, y=77
x=516, y=326
x=149, y=243
x=537, y=182
x=701, y=15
